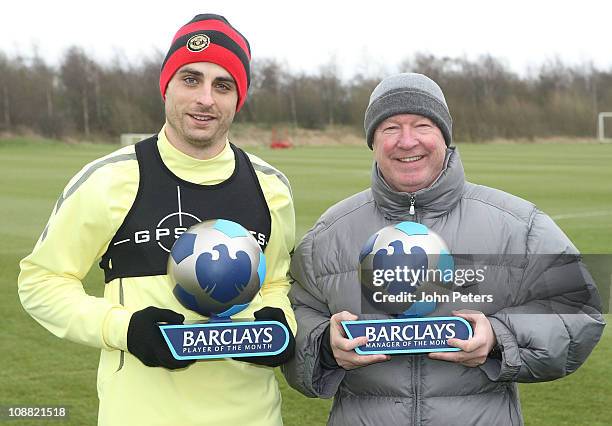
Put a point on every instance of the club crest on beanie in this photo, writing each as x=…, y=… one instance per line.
x=408, y=93
x=209, y=38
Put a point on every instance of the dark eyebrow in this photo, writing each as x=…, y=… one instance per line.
x=191, y=71
x=225, y=80
x=197, y=73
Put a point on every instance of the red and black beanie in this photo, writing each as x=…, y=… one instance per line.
x=209, y=38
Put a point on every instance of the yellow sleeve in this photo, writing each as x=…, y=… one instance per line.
x=282, y=240
x=77, y=234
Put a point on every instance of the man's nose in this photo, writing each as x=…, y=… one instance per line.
x=205, y=96
x=407, y=138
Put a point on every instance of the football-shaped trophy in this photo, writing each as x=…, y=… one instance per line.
x=403, y=269
x=216, y=268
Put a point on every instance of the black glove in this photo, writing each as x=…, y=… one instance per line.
x=326, y=354
x=145, y=341
x=273, y=314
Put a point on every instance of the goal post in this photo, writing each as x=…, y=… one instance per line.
x=601, y=127
x=132, y=138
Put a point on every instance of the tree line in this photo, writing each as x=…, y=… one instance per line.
x=84, y=98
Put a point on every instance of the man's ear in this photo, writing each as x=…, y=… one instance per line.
x=374, y=142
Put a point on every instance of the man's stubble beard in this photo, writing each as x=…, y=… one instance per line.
x=189, y=138
x=200, y=143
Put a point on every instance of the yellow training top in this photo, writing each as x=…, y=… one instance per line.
x=86, y=217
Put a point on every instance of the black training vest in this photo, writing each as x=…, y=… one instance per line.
x=165, y=206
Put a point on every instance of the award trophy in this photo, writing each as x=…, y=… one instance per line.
x=402, y=268
x=216, y=268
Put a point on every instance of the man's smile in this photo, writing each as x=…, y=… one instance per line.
x=410, y=159
x=202, y=117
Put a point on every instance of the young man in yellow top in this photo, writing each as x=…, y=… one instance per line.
x=128, y=208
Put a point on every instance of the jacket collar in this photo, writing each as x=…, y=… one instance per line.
x=435, y=200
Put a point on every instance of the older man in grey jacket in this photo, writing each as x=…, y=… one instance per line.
x=546, y=317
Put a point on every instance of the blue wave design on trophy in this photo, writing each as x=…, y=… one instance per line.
x=224, y=278
x=413, y=250
x=216, y=268
x=416, y=261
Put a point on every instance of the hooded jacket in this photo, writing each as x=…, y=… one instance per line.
x=545, y=311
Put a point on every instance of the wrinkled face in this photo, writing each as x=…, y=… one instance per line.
x=200, y=105
x=409, y=150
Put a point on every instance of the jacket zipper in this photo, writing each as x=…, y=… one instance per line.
x=415, y=390
x=122, y=355
x=415, y=359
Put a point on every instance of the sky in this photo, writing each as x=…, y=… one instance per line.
x=368, y=37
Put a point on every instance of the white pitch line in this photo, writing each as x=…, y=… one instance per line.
x=610, y=301
x=583, y=214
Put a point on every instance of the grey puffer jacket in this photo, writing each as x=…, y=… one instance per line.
x=545, y=328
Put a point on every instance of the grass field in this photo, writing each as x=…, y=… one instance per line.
x=572, y=183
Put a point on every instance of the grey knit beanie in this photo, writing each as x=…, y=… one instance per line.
x=408, y=93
